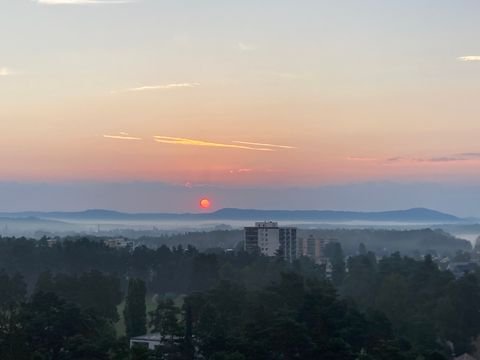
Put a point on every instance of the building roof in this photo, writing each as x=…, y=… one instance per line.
x=153, y=337
x=465, y=357
x=148, y=337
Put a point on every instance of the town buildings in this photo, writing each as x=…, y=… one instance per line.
x=313, y=248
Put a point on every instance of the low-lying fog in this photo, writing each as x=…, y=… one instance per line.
x=34, y=227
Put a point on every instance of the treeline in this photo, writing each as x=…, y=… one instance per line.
x=203, y=240
x=176, y=270
x=382, y=241
x=408, y=242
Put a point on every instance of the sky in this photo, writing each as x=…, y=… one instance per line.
x=239, y=95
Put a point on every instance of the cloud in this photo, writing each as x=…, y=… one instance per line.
x=241, y=171
x=162, y=87
x=288, y=75
x=245, y=47
x=83, y=2
x=122, y=136
x=469, y=58
x=422, y=160
x=262, y=144
x=4, y=71
x=442, y=159
x=437, y=159
x=361, y=158
x=193, y=142
x=470, y=155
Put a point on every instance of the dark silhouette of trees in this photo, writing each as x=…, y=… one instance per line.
x=334, y=253
x=135, y=308
x=93, y=290
x=235, y=305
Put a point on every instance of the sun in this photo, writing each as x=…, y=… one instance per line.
x=205, y=203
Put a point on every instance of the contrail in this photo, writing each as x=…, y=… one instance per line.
x=261, y=144
x=121, y=137
x=193, y=142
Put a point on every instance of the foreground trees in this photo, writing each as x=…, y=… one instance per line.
x=426, y=306
x=297, y=318
x=234, y=306
x=46, y=326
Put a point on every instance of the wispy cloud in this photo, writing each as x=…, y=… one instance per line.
x=122, y=136
x=471, y=155
x=194, y=142
x=160, y=87
x=469, y=58
x=83, y=2
x=400, y=159
x=241, y=171
x=4, y=71
x=263, y=144
x=437, y=159
x=452, y=158
x=245, y=47
x=361, y=158
x=441, y=159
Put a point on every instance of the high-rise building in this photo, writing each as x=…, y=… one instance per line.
x=268, y=239
x=313, y=248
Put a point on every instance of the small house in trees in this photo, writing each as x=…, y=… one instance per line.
x=465, y=357
x=152, y=341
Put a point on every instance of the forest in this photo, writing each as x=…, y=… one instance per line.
x=66, y=300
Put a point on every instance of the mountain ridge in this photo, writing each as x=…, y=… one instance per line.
x=408, y=215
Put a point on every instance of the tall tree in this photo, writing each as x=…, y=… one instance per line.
x=188, y=347
x=335, y=255
x=362, y=249
x=135, y=312
x=12, y=294
x=164, y=319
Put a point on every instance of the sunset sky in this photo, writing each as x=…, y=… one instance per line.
x=240, y=93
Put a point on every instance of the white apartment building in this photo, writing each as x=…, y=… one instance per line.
x=269, y=239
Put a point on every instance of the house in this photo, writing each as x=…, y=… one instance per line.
x=52, y=242
x=152, y=341
x=465, y=357
x=118, y=243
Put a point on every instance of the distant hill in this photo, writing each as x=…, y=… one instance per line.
x=29, y=225
x=29, y=220
x=411, y=215
x=416, y=215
